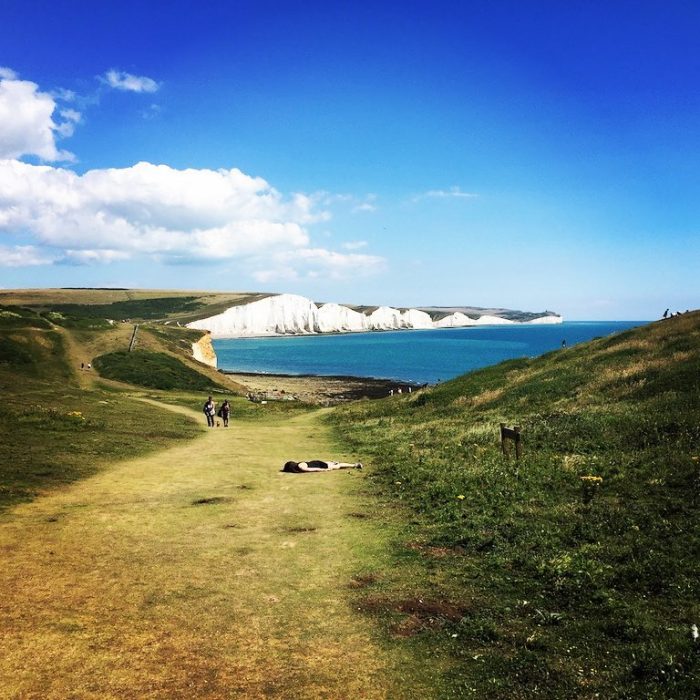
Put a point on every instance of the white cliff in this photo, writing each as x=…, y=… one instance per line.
x=385, y=318
x=455, y=320
x=412, y=318
x=334, y=318
x=291, y=314
x=492, y=321
x=276, y=315
x=546, y=319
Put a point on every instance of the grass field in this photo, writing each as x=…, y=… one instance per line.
x=146, y=557
x=572, y=573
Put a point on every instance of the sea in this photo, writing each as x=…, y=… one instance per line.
x=419, y=356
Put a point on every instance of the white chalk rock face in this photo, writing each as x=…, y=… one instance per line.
x=277, y=315
x=412, y=318
x=492, y=321
x=455, y=320
x=334, y=318
x=547, y=319
x=385, y=318
x=291, y=314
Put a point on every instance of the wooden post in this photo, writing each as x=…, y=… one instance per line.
x=518, y=442
x=514, y=435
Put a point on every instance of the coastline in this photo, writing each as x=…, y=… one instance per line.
x=317, y=389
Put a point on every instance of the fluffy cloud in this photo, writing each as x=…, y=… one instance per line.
x=23, y=256
x=318, y=263
x=166, y=214
x=27, y=122
x=119, y=80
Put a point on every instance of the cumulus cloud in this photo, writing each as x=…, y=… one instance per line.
x=313, y=263
x=170, y=215
x=23, y=256
x=28, y=125
x=453, y=192
x=120, y=80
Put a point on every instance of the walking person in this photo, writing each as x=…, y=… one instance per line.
x=225, y=412
x=209, y=411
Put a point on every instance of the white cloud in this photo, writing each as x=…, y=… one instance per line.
x=90, y=257
x=365, y=206
x=354, y=245
x=169, y=215
x=119, y=80
x=455, y=192
x=23, y=256
x=317, y=263
x=27, y=125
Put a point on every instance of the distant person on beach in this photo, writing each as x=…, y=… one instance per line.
x=318, y=465
x=225, y=412
x=563, y=344
x=209, y=411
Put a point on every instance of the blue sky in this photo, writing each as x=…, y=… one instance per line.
x=526, y=155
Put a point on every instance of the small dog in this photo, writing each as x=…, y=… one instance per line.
x=218, y=425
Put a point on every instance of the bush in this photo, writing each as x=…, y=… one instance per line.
x=154, y=370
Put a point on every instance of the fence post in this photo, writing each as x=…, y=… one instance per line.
x=503, y=440
x=518, y=442
x=514, y=435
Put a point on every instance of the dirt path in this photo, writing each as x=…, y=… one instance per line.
x=201, y=571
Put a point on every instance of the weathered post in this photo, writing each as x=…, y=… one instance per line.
x=514, y=435
x=518, y=442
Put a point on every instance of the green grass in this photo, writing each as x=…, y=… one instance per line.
x=563, y=592
x=155, y=370
x=53, y=433
x=132, y=309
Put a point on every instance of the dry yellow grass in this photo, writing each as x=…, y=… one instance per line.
x=123, y=586
x=37, y=297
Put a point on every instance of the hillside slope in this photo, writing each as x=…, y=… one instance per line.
x=574, y=571
x=58, y=422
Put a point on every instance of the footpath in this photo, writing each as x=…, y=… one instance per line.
x=199, y=572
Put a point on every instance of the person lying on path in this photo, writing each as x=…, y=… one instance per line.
x=318, y=465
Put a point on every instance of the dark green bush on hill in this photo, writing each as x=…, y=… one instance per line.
x=154, y=370
x=13, y=353
x=132, y=309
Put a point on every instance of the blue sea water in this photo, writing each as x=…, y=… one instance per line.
x=413, y=356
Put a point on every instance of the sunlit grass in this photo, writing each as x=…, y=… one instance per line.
x=581, y=554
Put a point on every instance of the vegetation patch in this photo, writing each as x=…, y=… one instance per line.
x=582, y=553
x=211, y=500
x=155, y=370
x=142, y=309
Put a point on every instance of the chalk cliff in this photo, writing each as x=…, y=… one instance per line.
x=203, y=351
x=291, y=314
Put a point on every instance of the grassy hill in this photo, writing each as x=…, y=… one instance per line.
x=573, y=572
x=59, y=423
x=129, y=304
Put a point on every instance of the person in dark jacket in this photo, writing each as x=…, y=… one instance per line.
x=225, y=412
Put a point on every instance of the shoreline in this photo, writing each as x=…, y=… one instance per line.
x=325, y=390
